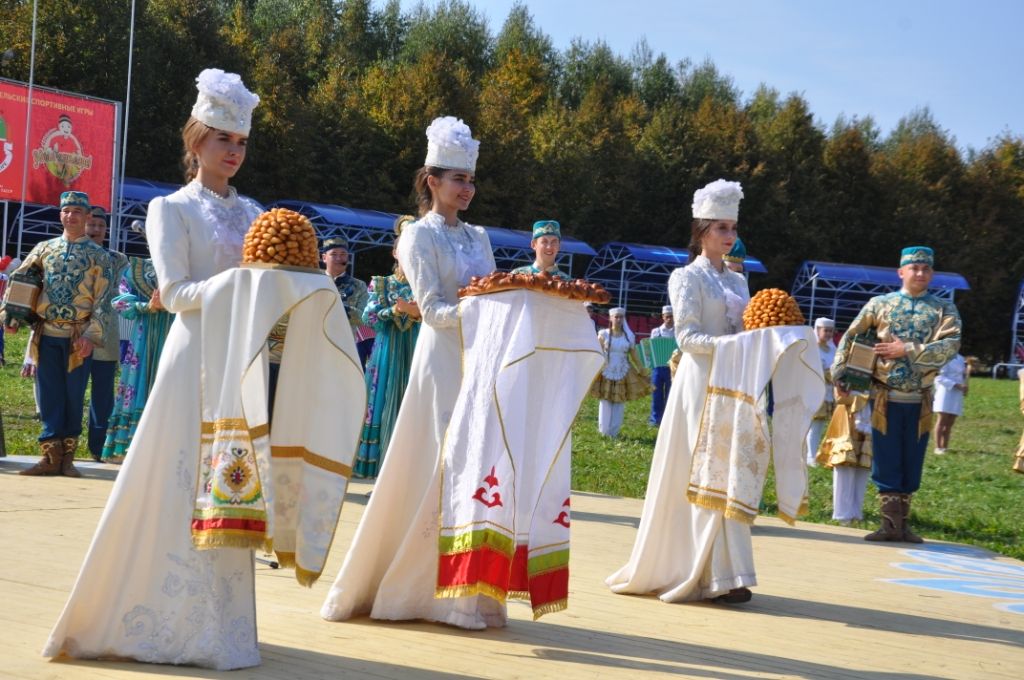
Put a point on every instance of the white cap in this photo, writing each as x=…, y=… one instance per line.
x=617, y=311
x=824, y=322
x=719, y=200
x=223, y=102
x=667, y=309
x=450, y=145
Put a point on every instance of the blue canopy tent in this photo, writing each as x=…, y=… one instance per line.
x=366, y=229
x=43, y=221
x=135, y=197
x=363, y=229
x=839, y=291
x=636, y=275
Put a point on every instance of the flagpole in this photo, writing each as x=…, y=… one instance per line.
x=118, y=231
x=28, y=124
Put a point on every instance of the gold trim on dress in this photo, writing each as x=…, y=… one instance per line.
x=314, y=459
x=735, y=394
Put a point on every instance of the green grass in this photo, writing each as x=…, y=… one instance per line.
x=969, y=495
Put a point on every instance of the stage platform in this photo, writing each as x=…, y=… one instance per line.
x=828, y=605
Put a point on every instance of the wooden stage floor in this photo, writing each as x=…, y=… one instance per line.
x=828, y=605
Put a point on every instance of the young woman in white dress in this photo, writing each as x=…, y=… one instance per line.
x=950, y=390
x=390, y=571
x=683, y=551
x=619, y=381
x=144, y=592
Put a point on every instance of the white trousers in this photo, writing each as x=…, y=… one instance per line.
x=848, y=486
x=814, y=440
x=609, y=417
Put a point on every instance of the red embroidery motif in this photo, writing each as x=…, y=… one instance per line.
x=481, y=493
x=563, y=517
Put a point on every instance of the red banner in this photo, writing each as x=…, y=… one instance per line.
x=71, y=145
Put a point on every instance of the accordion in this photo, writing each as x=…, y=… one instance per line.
x=23, y=292
x=655, y=352
x=860, y=364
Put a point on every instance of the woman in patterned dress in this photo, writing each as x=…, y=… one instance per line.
x=139, y=300
x=393, y=314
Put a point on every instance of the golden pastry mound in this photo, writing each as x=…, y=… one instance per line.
x=542, y=283
x=772, y=307
x=281, y=236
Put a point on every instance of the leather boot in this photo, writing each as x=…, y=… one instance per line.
x=908, y=535
x=892, y=519
x=49, y=464
x=67, y=464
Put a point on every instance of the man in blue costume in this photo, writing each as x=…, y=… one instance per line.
x=917, y=333
x=335, y=255
x=75, y=279
x=546, y=242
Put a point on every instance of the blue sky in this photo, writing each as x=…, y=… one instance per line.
x=963, y=60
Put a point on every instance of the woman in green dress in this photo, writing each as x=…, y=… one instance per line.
x=395, y=318
x=139, y=300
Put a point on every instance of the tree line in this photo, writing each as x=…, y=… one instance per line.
x=611, y=145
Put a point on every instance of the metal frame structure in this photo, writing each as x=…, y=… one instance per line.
x=363, y=229
x=43, y=221
x=512, y=249
x=366, y=229
x=839, y=291
x=636, y=275
x=135, y=197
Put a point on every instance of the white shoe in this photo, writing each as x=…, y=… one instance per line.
x=939, y=452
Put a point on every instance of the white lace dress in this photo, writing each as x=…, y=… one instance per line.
x=144, y=592
x=947, y=398
x=390, y=570
x=683, y=551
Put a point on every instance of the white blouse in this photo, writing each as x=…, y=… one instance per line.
x=194, y=234
x=706, y=303
x=438, y=260
x=616, y=353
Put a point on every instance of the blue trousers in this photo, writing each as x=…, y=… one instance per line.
x=61, y=394
x=661, y=378
x=101, y=403
x=899, y=453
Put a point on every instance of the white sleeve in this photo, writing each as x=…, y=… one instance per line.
x=168, y=236
x=685, y=293
x=418, y=257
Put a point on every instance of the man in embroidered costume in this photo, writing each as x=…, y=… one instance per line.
x=76, y=282
x=823, y=329
x=546, y=242
x=105, y=357
x=661, y=376
x=917, y=334
x=334, y=252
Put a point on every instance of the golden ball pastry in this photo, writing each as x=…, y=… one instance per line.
x=283, y=237
x=772, y=307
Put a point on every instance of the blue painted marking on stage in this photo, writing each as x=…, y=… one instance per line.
x=966, y=571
